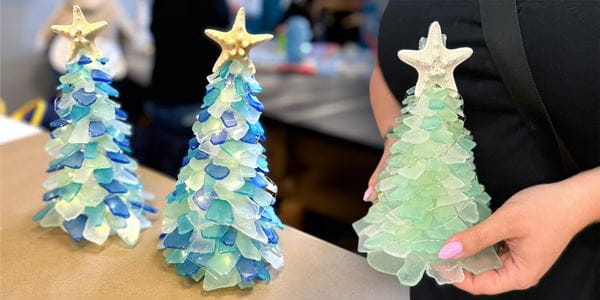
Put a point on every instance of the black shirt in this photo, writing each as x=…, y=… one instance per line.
x=184, y=55
x=562, y=43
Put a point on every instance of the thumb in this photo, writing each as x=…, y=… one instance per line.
x=472, y=240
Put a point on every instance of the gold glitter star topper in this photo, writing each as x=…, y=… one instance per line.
x=434, y=62
x=82, y=34
x=237, y=42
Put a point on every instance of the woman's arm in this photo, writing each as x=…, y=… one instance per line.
x=386, y=109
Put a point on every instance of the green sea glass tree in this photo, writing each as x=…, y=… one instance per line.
x=219, y=223
x=428, y=190
x=94, y=191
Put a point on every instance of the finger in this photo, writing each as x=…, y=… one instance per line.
x=472, y=240
x=507, y=278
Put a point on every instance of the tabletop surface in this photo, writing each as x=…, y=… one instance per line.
x=41, y=263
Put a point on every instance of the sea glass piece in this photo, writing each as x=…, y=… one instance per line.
x=84, y=98
x=220, y=212
x=75, y=227
x=96, y=128
x=117, y=157
x=114, y=187
x=117, y=207
x=216, y=171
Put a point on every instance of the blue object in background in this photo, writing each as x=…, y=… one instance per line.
x=298, y=39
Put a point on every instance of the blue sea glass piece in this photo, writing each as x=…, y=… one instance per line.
x=271, y=235
x=103, y=175
x=263, y=272
x=43, y=212
x=175, y=240
x=96, y=128
x=240, y=86
x=203, y=199
x=98, y=75
x=255, y=103
x=200, y=155
x=190, y=268
x=89, y=151
x=146, y=207
x=267, y=214
x=74, y=160
x=220, y=212
x=262, y=164
x=193, y=143
x=84, y=98
x=214, y=231
x=108, y=89
x=183, y=224
x=203, y=115
x=217, y=172
x=120, y=114
x=259, y=181
x=114, y=187
x=103, y=60
x=78, y=113
x=225, y=69
x=117, y=207
x=247, y=269
x=58, y=123
x=229, y=238
x=248, y=189
x=96, y=213
x=210, y=97
x=228, y=119
x=66, y=88
x=257, y=128
x=84, y=60
x=219, y=137
x=75, y=227
x=117, y=157
x=69, y=191
x=250, y=138
x=53, y=194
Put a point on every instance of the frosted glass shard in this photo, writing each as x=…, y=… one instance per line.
x=384, y=262
x=52, y=219
x=483, y=261
x=222, y=263
x=415, y=136
x=446, y=272
x=96, y=234
x=272, y=254
x=131, y=232
x=213, y=281
x=413, y=171
x=69, y=210
x=411, y=271
x=247, y=248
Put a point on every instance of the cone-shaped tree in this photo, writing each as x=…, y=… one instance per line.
x=428, y=190
x=94, y=191
x=219, y=223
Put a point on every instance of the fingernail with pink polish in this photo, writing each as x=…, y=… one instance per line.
x=367, y=194
x=451, y=250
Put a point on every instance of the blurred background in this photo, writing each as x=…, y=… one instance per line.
x=322, y=140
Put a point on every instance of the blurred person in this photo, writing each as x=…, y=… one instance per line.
x=183, y=59
x=111, y=40
x=545, y=217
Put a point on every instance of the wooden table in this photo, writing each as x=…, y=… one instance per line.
x=38, y=263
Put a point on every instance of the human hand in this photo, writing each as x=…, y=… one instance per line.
x=370, y=194
x=535, y=224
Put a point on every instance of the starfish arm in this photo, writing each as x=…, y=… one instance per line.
x=458, y=55
x=218, y=36
x=62, y=29
x=96, y=28
x=255, y=39
x=411, y=57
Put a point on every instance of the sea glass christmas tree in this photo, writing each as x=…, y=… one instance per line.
x=94, y=191
x=219, y=223
x=428, y=190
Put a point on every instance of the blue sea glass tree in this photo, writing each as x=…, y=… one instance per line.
x=219, y=223
x=94, y=191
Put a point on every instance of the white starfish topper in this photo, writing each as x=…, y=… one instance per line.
x=434, y=62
